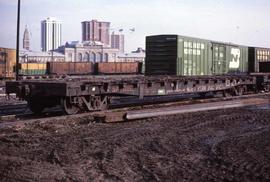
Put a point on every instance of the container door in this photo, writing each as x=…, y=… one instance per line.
x=161, y=55
x=219, y=59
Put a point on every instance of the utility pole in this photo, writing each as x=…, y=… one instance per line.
x=18, y=39
x=5, y=54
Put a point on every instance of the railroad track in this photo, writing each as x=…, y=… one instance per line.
x=13, y=109
x=142, y=112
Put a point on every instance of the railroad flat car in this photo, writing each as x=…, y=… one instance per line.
x=187, y=56
x=95, y=93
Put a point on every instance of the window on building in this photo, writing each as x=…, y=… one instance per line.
x=70, y=57
x=80, y=57
x=93, y=57
x=86, y=57
x=99, y=57
x=106, y=57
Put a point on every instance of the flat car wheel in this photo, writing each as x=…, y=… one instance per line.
x=240, y=91
x=68, y=107
x=267, y=88
x=227, y=93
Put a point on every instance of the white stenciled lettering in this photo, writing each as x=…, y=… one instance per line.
x=235, y=62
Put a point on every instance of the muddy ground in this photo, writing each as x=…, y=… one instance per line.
x=225, y=145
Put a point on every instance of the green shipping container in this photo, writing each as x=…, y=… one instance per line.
x=186, y=56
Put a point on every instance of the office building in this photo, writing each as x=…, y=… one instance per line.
x=96, y=31
x=118, y=42
x=51, y=34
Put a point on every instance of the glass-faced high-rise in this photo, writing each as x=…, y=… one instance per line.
x=51, y=34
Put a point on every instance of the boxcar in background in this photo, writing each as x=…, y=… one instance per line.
x=3, y=71
x=119, y=68
x=70, y=68
x=32, y=68
x=187, y=56
x=259, y=59
x=7, y=63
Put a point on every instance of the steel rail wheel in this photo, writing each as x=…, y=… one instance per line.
x=266, y=88
x=99, y=103
x=68, y=107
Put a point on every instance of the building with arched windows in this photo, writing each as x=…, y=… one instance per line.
x=88, y=52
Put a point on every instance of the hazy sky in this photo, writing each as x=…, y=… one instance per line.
x=243, y=22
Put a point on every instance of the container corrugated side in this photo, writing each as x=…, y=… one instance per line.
x=193, y=57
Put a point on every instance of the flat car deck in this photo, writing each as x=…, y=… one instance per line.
x=95, y=92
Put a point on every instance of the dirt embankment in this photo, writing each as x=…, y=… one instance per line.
x=227, y=145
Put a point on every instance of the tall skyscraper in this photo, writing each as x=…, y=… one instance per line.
x=118, y=42
x=96, y=31
x=51, y=34
x=26, y=39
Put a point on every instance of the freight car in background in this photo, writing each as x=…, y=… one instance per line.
x=112, y=68
x=7, y=69
x=79, y=68
x=32, y=68
x=89, y=68
x=70, y=68
x=259, y=59
x=7, y=63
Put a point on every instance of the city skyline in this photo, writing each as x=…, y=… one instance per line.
x=230, y=21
